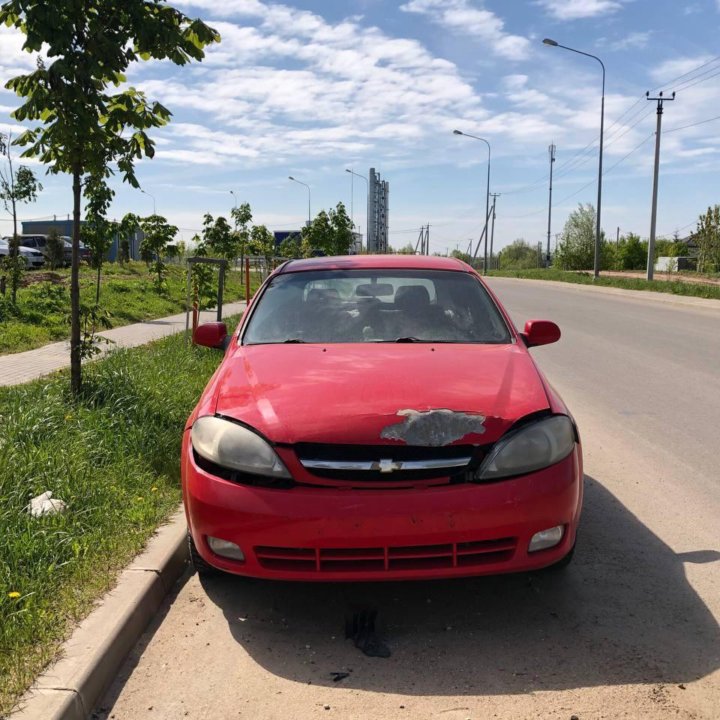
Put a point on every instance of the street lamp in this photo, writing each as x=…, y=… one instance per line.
x=145, y=192
x=232, y=192
x=367, y=194
x=299, y=182
x=553, y=43
x=487, y=192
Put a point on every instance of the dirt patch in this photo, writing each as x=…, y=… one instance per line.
x=38, y=277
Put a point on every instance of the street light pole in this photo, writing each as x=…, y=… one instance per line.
x=145, y=192
x=553, y=43
x=551, y=150
x=487, y=193
x=367, y=193
x=232, y=192
x=300, y=182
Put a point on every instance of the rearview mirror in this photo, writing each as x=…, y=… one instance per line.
x=540, y=332
x=212, y=335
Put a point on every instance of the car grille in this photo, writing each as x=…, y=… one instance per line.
x=389, y=558
x=387, y=463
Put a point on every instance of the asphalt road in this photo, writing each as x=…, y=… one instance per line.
x=629, y=631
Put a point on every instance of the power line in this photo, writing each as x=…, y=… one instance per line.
x=587, y=185
x=696, y=81
x=577, y=158
x=689, y=72
x=684, y=127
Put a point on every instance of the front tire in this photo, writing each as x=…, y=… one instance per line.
x=563, y=563
x=203, y=568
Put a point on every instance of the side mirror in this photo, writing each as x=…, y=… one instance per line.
x=540, y=332
x=212, y=335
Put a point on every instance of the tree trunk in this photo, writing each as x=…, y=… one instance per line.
x=75, y=359
x=14, y=244
x=97, y=291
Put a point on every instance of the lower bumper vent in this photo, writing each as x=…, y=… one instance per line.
x=410, y=557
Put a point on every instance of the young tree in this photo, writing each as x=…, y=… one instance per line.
x=129, y=225
x=329, y=233
x=632, y=253
x=16, y=186
x=519, y=255
x=220, y=238
x=290, y=246
x=82, y=128
x=707, y=237
x=55, y=249
x=242, y=217
x=576, y=250
x=97, y=232
x=158, y=233
x=262, y=242
x=202, y=276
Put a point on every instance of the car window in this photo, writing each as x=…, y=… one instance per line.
x=354, y=306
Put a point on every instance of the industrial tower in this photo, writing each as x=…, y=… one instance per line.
x=378, y=211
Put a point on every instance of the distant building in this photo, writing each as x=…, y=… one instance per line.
x=378, y=213
x=356, y=247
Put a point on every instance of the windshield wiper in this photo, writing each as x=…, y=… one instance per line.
x=293, y=340
x=411, y=339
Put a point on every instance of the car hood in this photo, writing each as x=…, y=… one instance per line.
x=417, y=394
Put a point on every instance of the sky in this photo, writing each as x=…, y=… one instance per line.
x=310, y=88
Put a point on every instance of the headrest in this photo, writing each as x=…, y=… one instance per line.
x=412, y=296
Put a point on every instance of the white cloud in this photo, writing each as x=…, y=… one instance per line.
x=460, y=16
x=578, y=9
x=13, y=59
x=634, y=40
x=296, y=85
x=676, y=67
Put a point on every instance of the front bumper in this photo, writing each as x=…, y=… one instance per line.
x=329, y=534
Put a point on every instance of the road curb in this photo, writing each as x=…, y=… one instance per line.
x=71, y=688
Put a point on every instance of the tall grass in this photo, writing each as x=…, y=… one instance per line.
x=113, y=457
x=674, y=287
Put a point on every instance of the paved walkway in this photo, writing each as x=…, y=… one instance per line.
x=23, y=367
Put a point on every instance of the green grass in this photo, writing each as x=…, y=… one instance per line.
x=675, y=287
x=113, y=457
x=127, y=293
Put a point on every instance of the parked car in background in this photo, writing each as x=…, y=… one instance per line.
x=33, y=258
x=379, y=417
x=39, y=242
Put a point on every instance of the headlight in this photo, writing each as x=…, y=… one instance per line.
x=532, y=447
x=233, y=446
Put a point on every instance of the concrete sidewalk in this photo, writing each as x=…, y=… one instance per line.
x=23, y=367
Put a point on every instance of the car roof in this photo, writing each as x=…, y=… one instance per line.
x=375, y=262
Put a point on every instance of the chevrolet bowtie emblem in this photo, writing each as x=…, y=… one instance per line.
x=387, y=466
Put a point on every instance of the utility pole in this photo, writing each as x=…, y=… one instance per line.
x=423, y=241
x=551, y=150
x=492, y=234
x=651, y=244
x=617, y=237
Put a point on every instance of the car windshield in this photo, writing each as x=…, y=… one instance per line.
x=354, y=306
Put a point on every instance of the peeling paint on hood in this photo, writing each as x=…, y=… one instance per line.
x=433, y=428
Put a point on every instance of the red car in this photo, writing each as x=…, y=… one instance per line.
x=379, y=418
